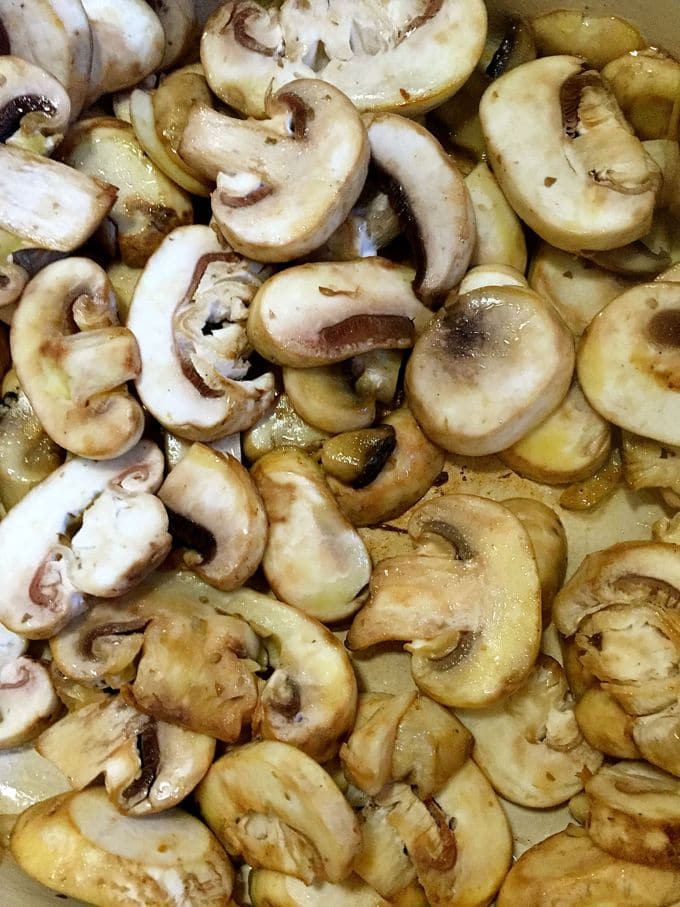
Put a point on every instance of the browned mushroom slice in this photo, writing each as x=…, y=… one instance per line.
x=34, y=106
x=282, y=427
x=646, y=85
x=326, y=397
x=598, y=39
x=468, y=651
x=605, y=725
x=657, y=736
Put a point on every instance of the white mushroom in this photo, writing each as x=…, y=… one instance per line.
x=649, y=464
x=34, y=107
x=27, y=699
x=606, y=726
x=500, y=238
x=646, y=83
x=178, y=18
x=282, y=427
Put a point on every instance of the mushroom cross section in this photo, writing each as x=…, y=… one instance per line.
x=34, y=107
x=27, y=698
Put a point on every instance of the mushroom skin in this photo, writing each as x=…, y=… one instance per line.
x=34, y=107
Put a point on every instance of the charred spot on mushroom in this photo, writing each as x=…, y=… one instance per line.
x=17, y=108
x=664, y=328
x=149, y=760
x=388, y=331
x=192, y=536
x=463, y=331
x=240, y=19
x=112, y=628
x=34, y=260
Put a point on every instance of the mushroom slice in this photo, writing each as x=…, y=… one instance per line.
x=197, y=492
x=472, y=553
x=565, y=157
x=55, y=36
x=371, y=224
x=529, y=746
x=403, y=479
x=326, y=397
x=592, y=492
x=492, y=365
x=569, y=446
x=598, y=39
x=605, y=725
x=425, y=186
x=483, y=276
x=28, y=702
x=79, y=844
x=282, y=427
x=516, y=47
x=178, y=18
x=649, y=464
x=149, y=205
x=284, y=185
x=317, y=314
x=47, y=203
x=356, y=457
x=500, y=238
x=123, y=280
x=188, y=315
x=578, y=288
x=34, y=106
x=629, y=354
x=382, y=861
x=657, y=736
x=38, y=596
x=73, y=359
x=634, y=813
x=314, y=558
x=569, y=869
x=646, y=85
x=278, y=809
x=274, y=889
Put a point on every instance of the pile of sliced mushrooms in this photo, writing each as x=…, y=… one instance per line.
x=270, y=285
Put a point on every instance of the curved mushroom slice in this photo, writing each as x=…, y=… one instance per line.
x=405, y=477
x=605, y=725
x=445, y=601
x=656, y=736
x=568, y=869
x=630, y=354
x=500, y=238
x=28, y=702
x=284, y=185
x=326, y=397
x=48, y=204
x=198, y=492
x=484, y=276
x=569, y=446
x=646, y=85
x=529, y=746
x=516, y=47
x=427, y=190
x=282, y=427
x=492, y=365
x=365, y=49
x=314, y=558
x=565, y=157
x=355, y=458
x=178, y=18
x=274, y=889
x=649, y=464
x=278, y=809
x=382, y=860
x=73, y=360
x=55, y=35
x=592, y=492
x=318, y=314
x=123, y=280
x=38, y=596
x=149, y=205
x=188, y=315
x=34, y=107
x=79, y=844
x=598, y=39
x=176, y=449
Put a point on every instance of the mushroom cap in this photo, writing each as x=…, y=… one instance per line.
x=34, y=106
x=565, y=157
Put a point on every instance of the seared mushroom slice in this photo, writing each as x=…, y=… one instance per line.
x=48, y=204
x=649, y=464
x=472, y=553
x=500, y=238
x=278, y=809
x=598, y=39
x=535, y=724
x=475, y=391
x=284, y=185
x=568, y=869
x=646, y=85
x=430, y=195
x=34, y=107
x=274, y=889
x=282, y=427
x=565, y=157
x=356, y=458
x=314, y=558
x=28, y=702
x=605, y=725
x=79, y=844
x=39, y=595
x=149, y=205
x=317, y=314
x=176, y=449
x=199, y=492
x=656, y=736
x=401, y=57
x=188, y=313
x=73, y=360
x=325, y=396
x=629, y=354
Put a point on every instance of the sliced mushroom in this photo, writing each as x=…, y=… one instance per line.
x=431, y=197
x=565, y=157
x=286, y=184
x=178, y=18
x=176, y=449
x=274, y=889
x=78, y=844
x=407, y=58
x=382, y=860
x=28, y=702
x=123, y=280
x=326, y=397
x=314, y=558
x=371, y=224
x=149, y=205
x=648, y=256
x=594, y=491
x=277, y=808
x=34, y=106
x=483, y=276
x=38, y=596
x=492, y=365
x=516, y=47
x=657, y=736
x=198, y=492
x=605, y=725
x=443, y=600
x=646, y=85
x=282, y=427
x=629, y=355
x=73, y=360
x=500, y=239
x=598, y=39
x=649, y=464
x=188, y=314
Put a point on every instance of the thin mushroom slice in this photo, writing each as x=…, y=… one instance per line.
x=629, y=354
x=598, y=39
x=606, y=726
x=431, y=197
x=356, y=457
x=284, y=185
x=275, y=889
x=482, y=276
x=569, y=869
x=565, y=157
x=282, y=427
x=198, y=492
x=646, y=85
x=406, y=58
x=529, y=746
x=34, y=107
x=468, y=650
x=188, y=313
x=73, y=360
x=28, y=702
x=500, y=238
x=80, y=845
x=492, y=365
x=279, y=810
x=314, y=557
x=326, y=397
